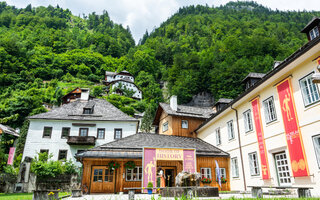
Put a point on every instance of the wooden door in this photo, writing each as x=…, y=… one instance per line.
x=170, y=174
x=102, y=180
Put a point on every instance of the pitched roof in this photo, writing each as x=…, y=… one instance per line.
x=102, y=111
x=311, y=24
x=110, y=73
x=8, y=130
x=132, y=146
x=254, y=75
x=188, y=111
x=223, y=100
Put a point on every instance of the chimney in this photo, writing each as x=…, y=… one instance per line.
x=174, y=103
x=85, y=94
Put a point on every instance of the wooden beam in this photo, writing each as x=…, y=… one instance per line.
x=316, y=78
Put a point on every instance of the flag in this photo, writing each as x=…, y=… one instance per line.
x=218, y=173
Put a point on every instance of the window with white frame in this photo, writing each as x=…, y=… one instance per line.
x=310, y=92
x=269, y=110
x=314, y=33
x=205, y=172
x=230, y=130
x=248, y=126
x=184, y=123
x=234, y=167
x=222, y=173
x=218, y=136
x=316, y=143
x=254, y=165
x=134, y=174
x=165, y=126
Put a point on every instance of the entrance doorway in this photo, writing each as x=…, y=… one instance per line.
x=102, y=180
x=282, y=169
x=170, y=175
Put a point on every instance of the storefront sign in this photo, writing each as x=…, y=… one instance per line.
x=260, y=135
x=11, y=155
x=151, y=155
x=169, y=154
x=293, y=134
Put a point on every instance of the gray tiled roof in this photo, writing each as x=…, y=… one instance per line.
x=102, y=111
x=110, y=73
x=132, y=146
x=224, y=100
x=254, y=75
x=8, y=130
x=188, y=111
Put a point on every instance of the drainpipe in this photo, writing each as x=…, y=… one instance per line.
x=240, y=148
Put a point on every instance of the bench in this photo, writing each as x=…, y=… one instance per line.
x=256, y=191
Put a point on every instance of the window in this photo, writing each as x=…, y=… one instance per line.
x=205, y=172
x=65, y=132
x=108, y=175
x=247, y=121
x=87, y=110
x=230, y=130
x=62, y=155
x=100, y=133
x=47, y=132
x=83, y=131
x=234, y=167
x=165, y=126
x=309, y=90
x=314, y=33
x=117, y=133
x=316, y=143
x=134, y=174
x=269, y=110
x=254, y=165
x=44, y=151
x=218, y=136
x=97, y=175
x=184, y=123
x=222, y=173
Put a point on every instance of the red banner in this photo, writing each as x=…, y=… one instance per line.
x=11, y=155
x=293, y=134
x=262, y=146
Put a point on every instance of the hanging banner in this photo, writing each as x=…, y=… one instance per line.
x=293, y=134
x=189, y=161
x=260, y=136
x=149, y=167
x=11, y=155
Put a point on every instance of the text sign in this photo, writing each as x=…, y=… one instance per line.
x=293, y=135
x=189, y=161
x=169, y=154
x=260, y=135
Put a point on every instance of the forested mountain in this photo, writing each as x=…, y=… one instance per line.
x=46, y=52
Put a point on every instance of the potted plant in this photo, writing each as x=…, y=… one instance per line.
x=113, y=165
x=223, y=180
x=129, y=165
x=150, y=187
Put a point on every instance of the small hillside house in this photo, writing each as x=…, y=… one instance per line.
x=123, y=80
x=77, y=126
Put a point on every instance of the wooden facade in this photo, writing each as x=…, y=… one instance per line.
x=175, y=125
x=115, y=182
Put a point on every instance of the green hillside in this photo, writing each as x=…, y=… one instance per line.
x=46, y=52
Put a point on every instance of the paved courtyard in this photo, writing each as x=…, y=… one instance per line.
x=156, y=196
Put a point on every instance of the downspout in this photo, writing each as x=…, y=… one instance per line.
x=240, y=148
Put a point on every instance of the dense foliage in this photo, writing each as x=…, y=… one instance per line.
x=45, y=52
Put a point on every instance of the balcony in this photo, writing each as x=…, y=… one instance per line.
x=81, y=140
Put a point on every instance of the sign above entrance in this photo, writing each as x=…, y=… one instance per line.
x=169, y=154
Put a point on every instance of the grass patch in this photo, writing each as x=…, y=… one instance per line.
x=24, y=196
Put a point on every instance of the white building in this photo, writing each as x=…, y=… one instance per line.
x=77, y=126
x=120, y=81
x=272, y=130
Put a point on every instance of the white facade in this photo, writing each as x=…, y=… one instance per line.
x=274, y=132
x=129, y=86
x=36, y=142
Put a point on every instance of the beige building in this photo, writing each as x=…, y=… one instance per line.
x=277, y=141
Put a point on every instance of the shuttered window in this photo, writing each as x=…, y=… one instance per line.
x=254, y=165
x=310, y=92
x=218, y=136
x=230, y=130
x=247, y=121
x=316, y=143
x=234, y=167
x=269, y=110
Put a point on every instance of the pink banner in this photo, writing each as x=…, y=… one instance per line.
x=11, y=155
x=189, y=161
x=149, y=167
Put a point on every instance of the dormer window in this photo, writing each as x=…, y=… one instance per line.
x=87, y=110
x=314, y=33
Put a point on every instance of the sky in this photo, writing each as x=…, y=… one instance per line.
x=142, y=15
